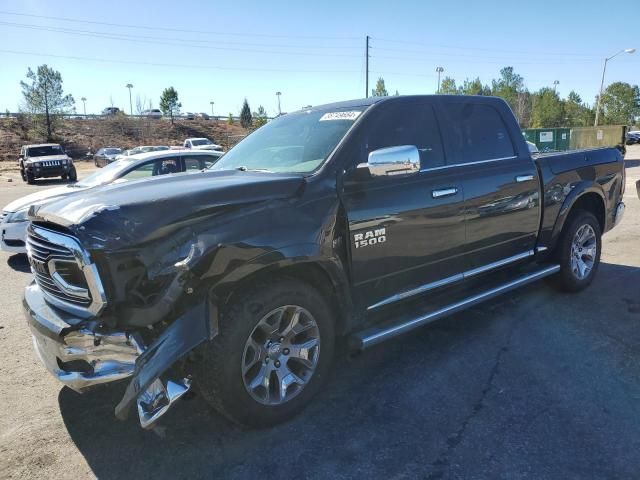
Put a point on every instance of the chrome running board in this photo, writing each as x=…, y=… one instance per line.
x=379, y=333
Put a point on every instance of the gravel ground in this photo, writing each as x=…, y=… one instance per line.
x=535, y=384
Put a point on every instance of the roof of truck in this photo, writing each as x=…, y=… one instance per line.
x=42, y=145
x=366, y=102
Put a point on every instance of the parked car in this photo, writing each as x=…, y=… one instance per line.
x=110, y=111
x=187, y=116
x=106, y=155
x=363, y=219
x=152, y=113
x=633, y=137
x=45, y=160
x=204, y=116
x=533, y=148
x=141, y=149
x=13, y=222
x=201, y=144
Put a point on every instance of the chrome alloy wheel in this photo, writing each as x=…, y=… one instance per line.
x=584, y=249
x=281, y=355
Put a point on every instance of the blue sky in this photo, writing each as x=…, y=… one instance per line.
x=313, y=52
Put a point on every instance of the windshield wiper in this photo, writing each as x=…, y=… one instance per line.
x=245, y=169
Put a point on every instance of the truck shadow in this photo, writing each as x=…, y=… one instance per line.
x=400, y=401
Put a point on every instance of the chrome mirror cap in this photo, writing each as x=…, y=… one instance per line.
x=400, y=160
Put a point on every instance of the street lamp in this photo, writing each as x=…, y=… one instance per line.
x=129, y=86
x=279, y=110
x=439, y=70
x=84, y=106
x=212, y=102
x=604, y=70
x=555, y=85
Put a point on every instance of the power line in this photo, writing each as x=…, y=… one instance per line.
x=109, y=36
x=171, y=65
x=170, y=29
x=516, y=52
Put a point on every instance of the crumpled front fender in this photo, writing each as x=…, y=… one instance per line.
x=188, y=331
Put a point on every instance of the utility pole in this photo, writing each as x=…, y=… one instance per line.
x=366, y=59
x=555, y=85
x=212, y=102
x=84, y=106
x=129, y=86
x=439, y=70
x=279, y=109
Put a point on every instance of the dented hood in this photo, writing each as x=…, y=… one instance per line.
x=120, y=215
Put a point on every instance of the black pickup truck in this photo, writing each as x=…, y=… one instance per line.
x=359, y=220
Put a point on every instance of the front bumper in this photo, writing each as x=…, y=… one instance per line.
x=77, y=357
x=42, y=172
x=12, y=237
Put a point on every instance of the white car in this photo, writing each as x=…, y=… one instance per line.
x=533, y=149
x=152, y=113
x=201, y=144
x=141, y=149
x=14, y=221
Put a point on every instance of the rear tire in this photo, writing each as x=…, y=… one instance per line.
x=249, y=371
x=578, y=252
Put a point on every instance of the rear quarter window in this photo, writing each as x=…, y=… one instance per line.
x=476, y=133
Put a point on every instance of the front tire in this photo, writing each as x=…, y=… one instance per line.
x=579, y=252
x=73, y=175
x=30, y=178
x=271, y=356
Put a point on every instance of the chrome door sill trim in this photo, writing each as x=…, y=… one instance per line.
x=449, y=280
x=376, y=335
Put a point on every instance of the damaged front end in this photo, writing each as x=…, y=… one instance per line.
x=141, y=341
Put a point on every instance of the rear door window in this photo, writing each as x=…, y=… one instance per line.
x=477, y=133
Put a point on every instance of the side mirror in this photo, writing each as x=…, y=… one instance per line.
x=390, y=161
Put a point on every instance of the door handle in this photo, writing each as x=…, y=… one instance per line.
x=445, y=192
x=524, y=178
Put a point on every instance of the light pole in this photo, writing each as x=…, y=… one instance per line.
x=604, y=70
x=129, y=86
x=555, y=85
x=279, y=110
x=439, y=70
x=212, y=102
x=84, y=106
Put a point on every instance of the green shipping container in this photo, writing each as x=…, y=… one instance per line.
x=549, y=139
x=560, y=139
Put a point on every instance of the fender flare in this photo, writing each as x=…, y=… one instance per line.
x=577, y=192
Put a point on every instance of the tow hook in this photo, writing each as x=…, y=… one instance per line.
x=156, y=400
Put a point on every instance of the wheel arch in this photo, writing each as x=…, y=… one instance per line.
x=324, y=276
x=590, y=199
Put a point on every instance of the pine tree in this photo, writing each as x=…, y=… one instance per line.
x=169, y=103
x=245, y=115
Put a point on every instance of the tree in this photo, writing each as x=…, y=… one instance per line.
x=259, y=117
x=448, y=86
x=230, y=119
x=619, y=104
x=548, y=109
x=474, y=87
x=169, y=103
x=44, y=97
x=508, y=86
x=245, y=115
x=577, y=114
x=380, y=90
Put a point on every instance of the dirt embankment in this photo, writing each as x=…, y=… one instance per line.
x=80, y=135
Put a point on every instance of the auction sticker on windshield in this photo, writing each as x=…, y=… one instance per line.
x=340, y=116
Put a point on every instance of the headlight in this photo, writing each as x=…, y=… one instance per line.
x=19, y=216
x=37, y=164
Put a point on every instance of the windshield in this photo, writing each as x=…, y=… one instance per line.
x=45, y=151
x=201, y=141
x=294, y=143
x=105, y=175
x=112, y=151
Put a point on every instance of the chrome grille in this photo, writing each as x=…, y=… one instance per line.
x=41, y=253
x=64, y=272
